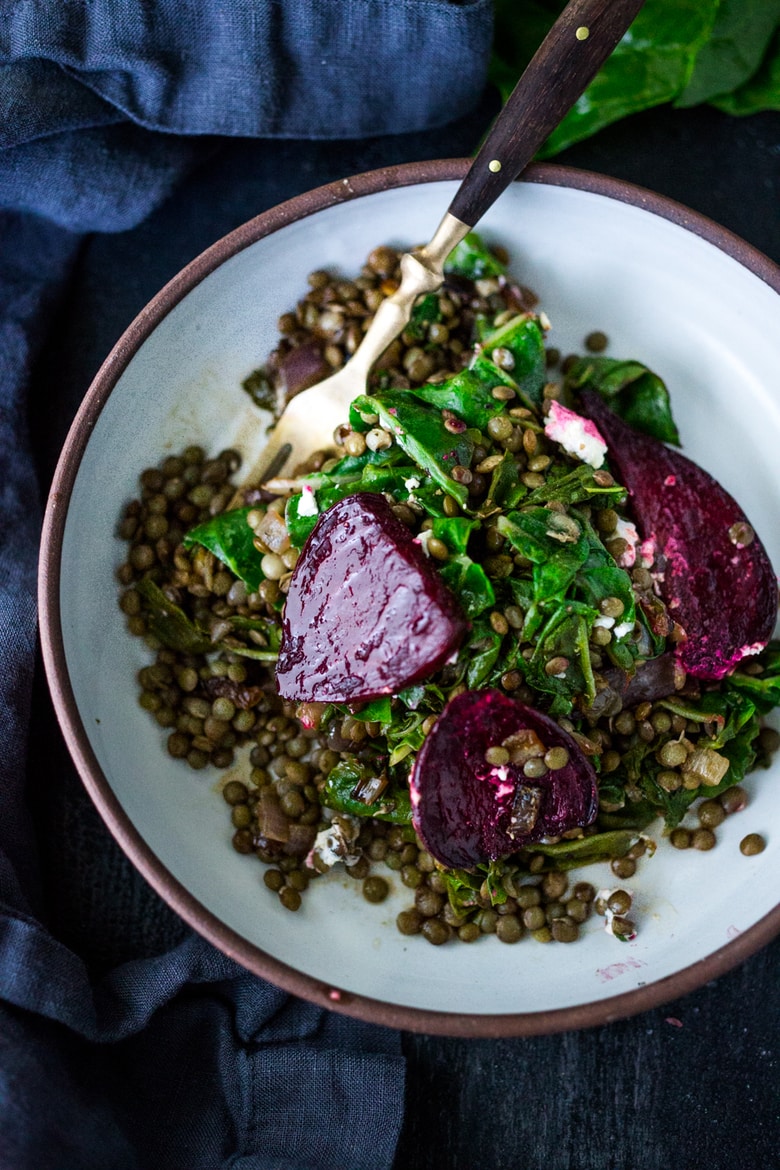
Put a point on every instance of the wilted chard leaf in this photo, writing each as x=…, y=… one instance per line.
x=231, y=540
x=350, y=776
x=168, y=622
x=584, y=850
x=523, y=337
x=419, y=430
x=466, y=394
x=633, y=391
x=578, y=486
x=481, y=652
x=424, y=313
x=473, y=260
x=470, y=583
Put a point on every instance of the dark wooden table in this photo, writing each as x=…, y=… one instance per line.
x=694, y=1084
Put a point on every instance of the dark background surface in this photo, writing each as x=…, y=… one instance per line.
x=695, y=1083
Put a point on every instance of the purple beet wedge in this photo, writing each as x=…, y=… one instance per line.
x=366, y=614
x=466, y=810
x=717, y=580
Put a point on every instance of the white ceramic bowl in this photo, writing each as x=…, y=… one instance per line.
x=669, y=288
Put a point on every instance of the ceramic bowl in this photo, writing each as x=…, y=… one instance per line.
x=669, y=288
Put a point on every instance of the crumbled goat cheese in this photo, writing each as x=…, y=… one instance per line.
x=647, y=552
x=577, y=435
x=422, y=539
x=626, y=531
x=308, y=505
x=331, y=846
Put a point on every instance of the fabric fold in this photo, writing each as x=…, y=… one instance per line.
x=314, y=69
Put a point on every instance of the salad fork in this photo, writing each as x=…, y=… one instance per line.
x=579, y=42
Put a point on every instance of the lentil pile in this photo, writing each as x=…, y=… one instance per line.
x=304, y=789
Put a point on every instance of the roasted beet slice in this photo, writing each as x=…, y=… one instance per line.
x=367, y=614
x=466, y=810
x=716, y=578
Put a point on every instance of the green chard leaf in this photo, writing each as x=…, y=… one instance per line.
x=635, y=393
x=577, y=486
x=585, y=850
x=650, y=65
x=472, y=259
x=480, y=652
x=762, y=689
x=470, y=584
x=419, y=430
x=424, y=313
x=564, y=636
x=169, y=622
x=600, y=578
x=523, y=336
x=726, y=52
x=466, y=394
x=739, y=42
x=462, y=889
x=298, y=515
x=761, y=92
x=353, y=776
x=267, y=632
x=454, y=531
x=377, y=711
x=538, y=534
x=505, y=489
x=357, y=464
x=231, y=540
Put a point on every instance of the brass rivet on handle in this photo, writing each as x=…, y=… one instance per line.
x=494, y=165
x=582, y=33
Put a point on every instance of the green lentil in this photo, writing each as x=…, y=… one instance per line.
x=375, y=889
x=497, y=756
x=564, y=929
x=733, y=800
x=703, y=839
x=435, y=931
x=672, y=754
x=409, y=921
x=290, y=898
x=752, y=844
x=623, y=867
x=534, y=918
x=274, y=879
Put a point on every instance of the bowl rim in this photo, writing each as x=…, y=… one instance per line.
x=204, y=921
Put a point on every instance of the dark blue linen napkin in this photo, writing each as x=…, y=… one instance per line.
x=78, y=80
x=170, y=1056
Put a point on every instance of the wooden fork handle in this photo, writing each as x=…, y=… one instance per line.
x=569, y=57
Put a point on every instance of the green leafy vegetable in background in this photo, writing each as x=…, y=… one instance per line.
x=685, y=52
